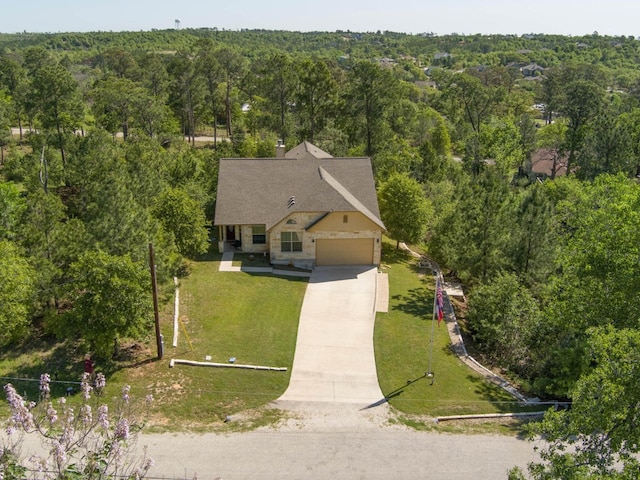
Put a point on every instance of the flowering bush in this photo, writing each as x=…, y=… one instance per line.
x=81, y=442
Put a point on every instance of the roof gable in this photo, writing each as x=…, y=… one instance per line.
x=307, y=149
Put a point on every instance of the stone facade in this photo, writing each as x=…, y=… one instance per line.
x=336, y=225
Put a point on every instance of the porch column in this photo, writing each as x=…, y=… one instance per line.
x=222, y=237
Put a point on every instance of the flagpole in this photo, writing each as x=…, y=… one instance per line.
x=433, y=322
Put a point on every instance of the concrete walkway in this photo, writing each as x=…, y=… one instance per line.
x=334, y=359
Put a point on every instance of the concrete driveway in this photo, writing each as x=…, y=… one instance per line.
x=334, y=359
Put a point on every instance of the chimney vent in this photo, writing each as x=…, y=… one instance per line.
x=280, y=149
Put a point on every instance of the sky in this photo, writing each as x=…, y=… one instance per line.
x=613, y=17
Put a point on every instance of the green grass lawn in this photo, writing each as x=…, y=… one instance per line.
x=402, y=345
x=254, y=318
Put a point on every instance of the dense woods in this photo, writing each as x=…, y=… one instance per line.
x=518, y=156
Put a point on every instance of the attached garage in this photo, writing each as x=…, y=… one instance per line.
x=344, y=251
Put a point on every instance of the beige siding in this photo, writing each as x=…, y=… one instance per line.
x=346, y=251
x=335, y=222
x=328, y=227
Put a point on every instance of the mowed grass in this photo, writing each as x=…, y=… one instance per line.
x=254, y=318
x=250, y=317
x=403, y=342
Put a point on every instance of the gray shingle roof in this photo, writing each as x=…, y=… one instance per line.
x=306, y=148
x=258, y=191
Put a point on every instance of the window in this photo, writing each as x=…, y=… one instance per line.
x=291, y=242
x=259, y=234
x=345, y=219
x=291, y=221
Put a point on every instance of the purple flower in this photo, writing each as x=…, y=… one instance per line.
x=103, y=416
x=52, y=415
x=85, y=386
x=21, y=416
x=45, y=379
x=58, y=453
x=122, y=429
x=100, y=381
x=85, y=412
x=125, y=393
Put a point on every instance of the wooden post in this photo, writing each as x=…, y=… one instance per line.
x=156, y=313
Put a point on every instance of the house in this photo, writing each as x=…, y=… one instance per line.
x=303, y=208
x=548, y=163
x=532, y=70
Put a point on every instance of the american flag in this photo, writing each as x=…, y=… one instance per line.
x=439, y=302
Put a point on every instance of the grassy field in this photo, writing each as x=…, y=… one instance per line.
x=254, y=318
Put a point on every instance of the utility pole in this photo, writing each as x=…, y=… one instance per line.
x=156, y=313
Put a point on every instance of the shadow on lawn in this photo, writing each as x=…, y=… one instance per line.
x=392, y=255
x=63, y=361
x=494, y=395
x=418, y=302
x=395, y=393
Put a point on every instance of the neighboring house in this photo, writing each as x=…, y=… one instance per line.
x=441, y=55
x=532, y=70
x=548, y=163
x=302, y=208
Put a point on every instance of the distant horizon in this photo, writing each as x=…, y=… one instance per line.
x=412, y=17
x=489, y=34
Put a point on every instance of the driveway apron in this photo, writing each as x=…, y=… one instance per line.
x=334, y=359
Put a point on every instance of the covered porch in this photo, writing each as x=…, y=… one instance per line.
x=229, y=238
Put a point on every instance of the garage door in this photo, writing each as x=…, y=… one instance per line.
x=344, y=251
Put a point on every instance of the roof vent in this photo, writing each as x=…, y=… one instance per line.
x=291, y=202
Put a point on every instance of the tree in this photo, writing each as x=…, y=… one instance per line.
x=552, y=137
x=435, y=147
x=110, y=298
x=475, y=102
x=608, y=147
x=113, y=99
x=40, y=233
x=12, y=205
x=371, y=90
x=187, y=92
x=485, y=228
x=232, y=67
x=14, y=78
x=601, y=273
x=58, y=103
x=5, y=124
x=91, y=440
x=504, y=319
x=315, y=98
x=583, y=100
x=599, y=436
x=535, y=240
x=209, y=67
x=184, y=218
x=277, y=79
x=404, y=209
x=119, y=62
x=16, y=293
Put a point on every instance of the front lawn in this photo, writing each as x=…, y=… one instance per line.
x=251, y=317
x=402, y=345
x=254, y=318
